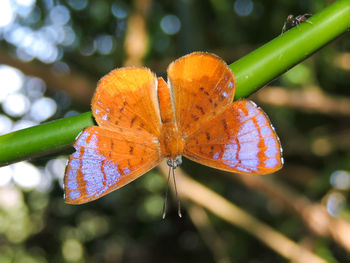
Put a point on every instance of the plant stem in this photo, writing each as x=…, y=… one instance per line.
x=42, y=139
x=266, y=63
x=252, y=72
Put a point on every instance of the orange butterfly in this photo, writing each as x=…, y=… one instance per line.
x=143, y=119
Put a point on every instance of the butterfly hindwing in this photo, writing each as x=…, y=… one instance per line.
x=106, y=160
x=241, y=139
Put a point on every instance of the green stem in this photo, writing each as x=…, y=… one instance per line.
x=252, y=72
x=42, y=139
x=266, y=63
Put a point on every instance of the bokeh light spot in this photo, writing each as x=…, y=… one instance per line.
x=104, y=44
x=69, y=36
x=60, y=68
x=170, y=24
x=27, y=3
x=6, y=173
x=154, y=183
x=26, y=175
x=87, y=48
x=7, y=14
x=24, y=7
x=10, y=197
x=50, y=55
x=153, y=206
x=45, y=184
x=340, y=179
x=11, y=80
x=243, y=7
x=55, y=168
x=5, y=124
x=78, y=4
x=35, y=88
x=23, y=55
x=23, y=124
x=16, y=105
x=119, y=10
x=300, y=74
x=321, y=146
x=59, y=15
x=92, y=226
x=72, y=250
x=42, y=109
x=335, y=203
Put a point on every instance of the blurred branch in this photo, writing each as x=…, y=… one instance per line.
x=252, y=71
x=136, y=40
x=203, y=196
x=342, y=61
x=213, y=241
x=309, y=98
x=77, y=86
x=314, y=215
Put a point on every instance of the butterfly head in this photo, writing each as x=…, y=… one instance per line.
x=176, y=162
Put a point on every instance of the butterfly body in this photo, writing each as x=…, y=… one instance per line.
x=143, y=119
x=171, y=141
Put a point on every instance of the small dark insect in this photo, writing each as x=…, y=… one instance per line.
x=293, y=21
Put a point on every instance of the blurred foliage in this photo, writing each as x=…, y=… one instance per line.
x=126, y=226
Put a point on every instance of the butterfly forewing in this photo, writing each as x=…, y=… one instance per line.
x=240, y=139
x=106, y=160
x=126, y=99
x=202, y=86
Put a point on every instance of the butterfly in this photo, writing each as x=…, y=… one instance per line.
x=142, y=119
x=293, y=21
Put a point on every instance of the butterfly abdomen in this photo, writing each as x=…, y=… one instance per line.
x=171, y=142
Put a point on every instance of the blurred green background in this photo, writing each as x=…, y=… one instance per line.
x=52, y=53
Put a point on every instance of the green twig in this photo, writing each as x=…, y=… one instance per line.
x=42, y=139
x=266, y=63
x=252, y=72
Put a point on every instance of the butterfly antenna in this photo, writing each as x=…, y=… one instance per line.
x=166, y=196
x=177, y=197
